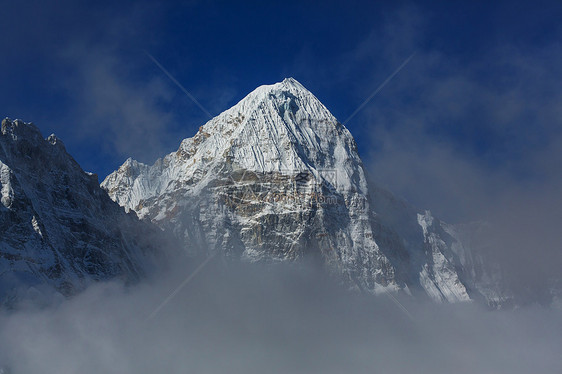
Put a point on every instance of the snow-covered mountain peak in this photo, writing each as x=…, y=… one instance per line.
x=54, y=140
x=288, y=101
x=279, y=143
x=18, y=129
x=292, y=82
x=131, y=165
x=276, y=128
x=277, y=178
x=286, y=85
x=281, y=128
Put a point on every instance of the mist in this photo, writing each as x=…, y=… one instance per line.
x=275, y=319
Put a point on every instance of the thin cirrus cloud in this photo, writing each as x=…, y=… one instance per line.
x=121, y=114
x=91, y=83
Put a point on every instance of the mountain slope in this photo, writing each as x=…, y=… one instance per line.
x=57, y=226
x=447, y=262
x=278, y=178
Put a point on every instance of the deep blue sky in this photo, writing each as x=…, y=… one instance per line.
x=480, y=99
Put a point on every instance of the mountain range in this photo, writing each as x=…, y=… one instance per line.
x=276, y=178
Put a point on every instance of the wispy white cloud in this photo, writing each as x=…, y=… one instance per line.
x=126, y=116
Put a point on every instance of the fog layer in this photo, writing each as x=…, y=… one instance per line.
x=240, y=319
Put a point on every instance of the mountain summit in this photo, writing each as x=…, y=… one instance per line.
x=278, y=178
x=276, y=128
x=274, y=178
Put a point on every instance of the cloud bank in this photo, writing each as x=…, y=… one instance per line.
x=274, y=320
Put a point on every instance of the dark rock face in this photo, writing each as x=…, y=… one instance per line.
x=57, y=226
